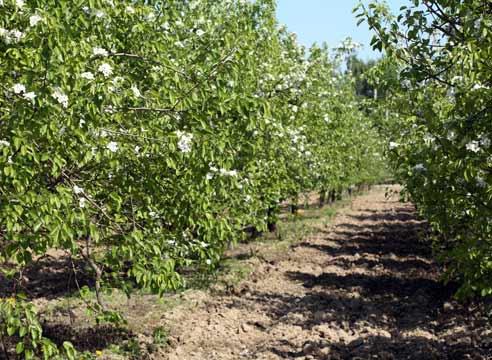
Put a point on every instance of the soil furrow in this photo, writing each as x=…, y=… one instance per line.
x=364, y=288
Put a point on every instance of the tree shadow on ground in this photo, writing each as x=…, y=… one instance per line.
x=87, y=338
x=379, y=347
x=49, y=277
x=382, y=298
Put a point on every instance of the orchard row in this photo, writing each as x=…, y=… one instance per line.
x=141, y=137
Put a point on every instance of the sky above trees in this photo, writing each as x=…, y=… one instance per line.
x=328, y=20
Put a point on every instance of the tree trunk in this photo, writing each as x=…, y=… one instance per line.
x=322, y=198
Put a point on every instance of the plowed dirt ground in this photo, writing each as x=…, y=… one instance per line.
x=365, y=287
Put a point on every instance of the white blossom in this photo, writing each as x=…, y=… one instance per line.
x=209, y=176
x=18, y=88
x=225, y=172
x=77, y=190
x=209, y=262
x=82, y=202
x=4, y=143
x=34, y=19
x=105, y=69
x=419, y=167
x=29, y=96
x=87, y=75
x=184, y=141
x=393, y=145
x=61, y=97
x=19, y=3
x=136, y=91
x=99, y=14
x=479, y=87
x=112, y=146
x=457, y=79
x=81, y=123
x=109, y=109
x=137, y=149
x=150, y=16
x=428, y=138
x=11, y=36
x=473, y=146
x=130, y=10
x=200, y=32
x=98, y=51
x=16, y=35
x=485, y=141
x=478, y=23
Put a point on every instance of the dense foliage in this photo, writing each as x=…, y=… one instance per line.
x=141, y=137
x=439, y=122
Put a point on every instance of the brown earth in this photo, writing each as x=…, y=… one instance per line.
x=363, y=288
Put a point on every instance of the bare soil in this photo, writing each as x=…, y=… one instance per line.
x=365, y=287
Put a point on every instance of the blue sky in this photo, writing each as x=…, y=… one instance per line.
x=328, y=20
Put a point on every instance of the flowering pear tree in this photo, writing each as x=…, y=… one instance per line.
x=439, y=124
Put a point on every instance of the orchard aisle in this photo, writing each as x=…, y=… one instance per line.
x=364, y=286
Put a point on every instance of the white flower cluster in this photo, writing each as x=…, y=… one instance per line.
x=87, y=75
x=476, y=145
x=429, y=139
x=61, y=97
x=136, y=91
x=393, y=145
x=296, y=136
x=184, y=141
x=98, y=51
x=77, y=190
x=11, y=36
x=223, y=172
x=34, y=20
x=112, y=146
x=105, y=69
x=20, y=89
x=484, y=141
x=479, y=87
x=473, y=146
x=419, y=167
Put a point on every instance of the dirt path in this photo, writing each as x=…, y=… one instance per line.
x=364, y=288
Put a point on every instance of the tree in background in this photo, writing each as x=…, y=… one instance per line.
x=440, y=124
